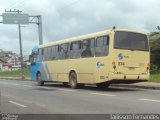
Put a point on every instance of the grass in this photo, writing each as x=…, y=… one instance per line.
x=155, y=76
x=16, y=73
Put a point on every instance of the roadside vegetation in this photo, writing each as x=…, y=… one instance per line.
x=155, y=76
x=16, y=73
x=154, y=38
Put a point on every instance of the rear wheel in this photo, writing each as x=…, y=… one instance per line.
x=73, y=80
x=40, y=82
x=102, y=85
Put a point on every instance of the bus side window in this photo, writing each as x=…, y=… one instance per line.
x=39, y=54
x=56, y=52
x=49, y=53
x=102, y=46
x=88, y=48
x=53, y=53
x=63, y=51
x=45, y=54
x=75, y=49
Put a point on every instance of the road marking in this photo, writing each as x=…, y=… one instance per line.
x=66, y=90
x=17, y=104
x=151, y=100
x=5, y=82
x=27, y=85
x=15, y=84
x=103, y=94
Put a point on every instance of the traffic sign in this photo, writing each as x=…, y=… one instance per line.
x=15, y=18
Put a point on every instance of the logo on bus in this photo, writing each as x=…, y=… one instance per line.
x=98, y=65
x=120, y=56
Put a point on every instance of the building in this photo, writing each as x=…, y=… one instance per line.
x=9, y=61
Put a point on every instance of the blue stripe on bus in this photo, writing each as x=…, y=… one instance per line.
x=34, y=69
x=43, y=69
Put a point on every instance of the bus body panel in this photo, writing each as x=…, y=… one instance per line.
x=42, y=68
x=130, y=64
x=95, y=70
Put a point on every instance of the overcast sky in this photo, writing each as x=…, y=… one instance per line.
x=68, y=18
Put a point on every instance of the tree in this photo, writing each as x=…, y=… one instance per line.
x=155, y=50
x=158, y=28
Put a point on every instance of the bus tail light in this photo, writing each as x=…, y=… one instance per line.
x=113, y=63
x=148, y=68
x=114, y=66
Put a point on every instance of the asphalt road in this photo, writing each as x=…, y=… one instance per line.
x=25, y=97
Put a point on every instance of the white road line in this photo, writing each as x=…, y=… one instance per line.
x=150, y=100
x=5, y=82
x=27, y=85
x=17, y=104
x=66, y=90
x=15, y=84
x=103, y=94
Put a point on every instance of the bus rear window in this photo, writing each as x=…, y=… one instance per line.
x=131, y=41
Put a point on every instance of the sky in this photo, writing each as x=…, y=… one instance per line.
x=68, y=18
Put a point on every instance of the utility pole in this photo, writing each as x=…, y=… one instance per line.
x=40, y=29
x=9, y=18
x=20, y=44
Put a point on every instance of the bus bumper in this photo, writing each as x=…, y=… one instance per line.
x=128, y=78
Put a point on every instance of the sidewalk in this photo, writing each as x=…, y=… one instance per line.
x=14, y=78
x=144, y=85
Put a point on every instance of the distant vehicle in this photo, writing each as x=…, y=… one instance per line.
x=102, y=58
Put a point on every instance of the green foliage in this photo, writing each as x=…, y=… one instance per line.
x=155, y=50
x=155, y=76
x=16, y=73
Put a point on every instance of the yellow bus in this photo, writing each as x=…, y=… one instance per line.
x=101, y=58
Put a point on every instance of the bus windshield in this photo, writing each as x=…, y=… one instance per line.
x=131, y=41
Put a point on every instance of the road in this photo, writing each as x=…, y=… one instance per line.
x=25, y=97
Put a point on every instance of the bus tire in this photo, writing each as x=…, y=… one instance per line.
x=73, y=80
x=40, y=82
x=103, y=85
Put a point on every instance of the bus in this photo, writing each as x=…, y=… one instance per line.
x=108, y=57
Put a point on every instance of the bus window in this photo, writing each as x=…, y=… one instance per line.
x=56, y=52
x=102, y=46
x=33, y=59
x=75, y=49
x=39, y=54
x=88, y=48
x=45, y=54
x=63, y=51
x=131, y=41
x=49, y=53
x=53, y=53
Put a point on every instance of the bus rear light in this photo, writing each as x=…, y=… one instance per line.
x=113, y=63
x=148, y=67
x=114, y=67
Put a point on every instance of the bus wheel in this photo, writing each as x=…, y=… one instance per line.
x=73, y=80
x=103, y=85
x=39, y=80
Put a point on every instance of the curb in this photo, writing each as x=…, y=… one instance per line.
x=15, y=78
x=136, y=86
x=114, y=85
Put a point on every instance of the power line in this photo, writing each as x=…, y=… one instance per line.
x=15, y=4
x=70, y=4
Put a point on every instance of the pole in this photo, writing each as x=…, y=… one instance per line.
x=40, y=29
x=21, y=54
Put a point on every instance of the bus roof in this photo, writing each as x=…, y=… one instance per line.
x=82, y=37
